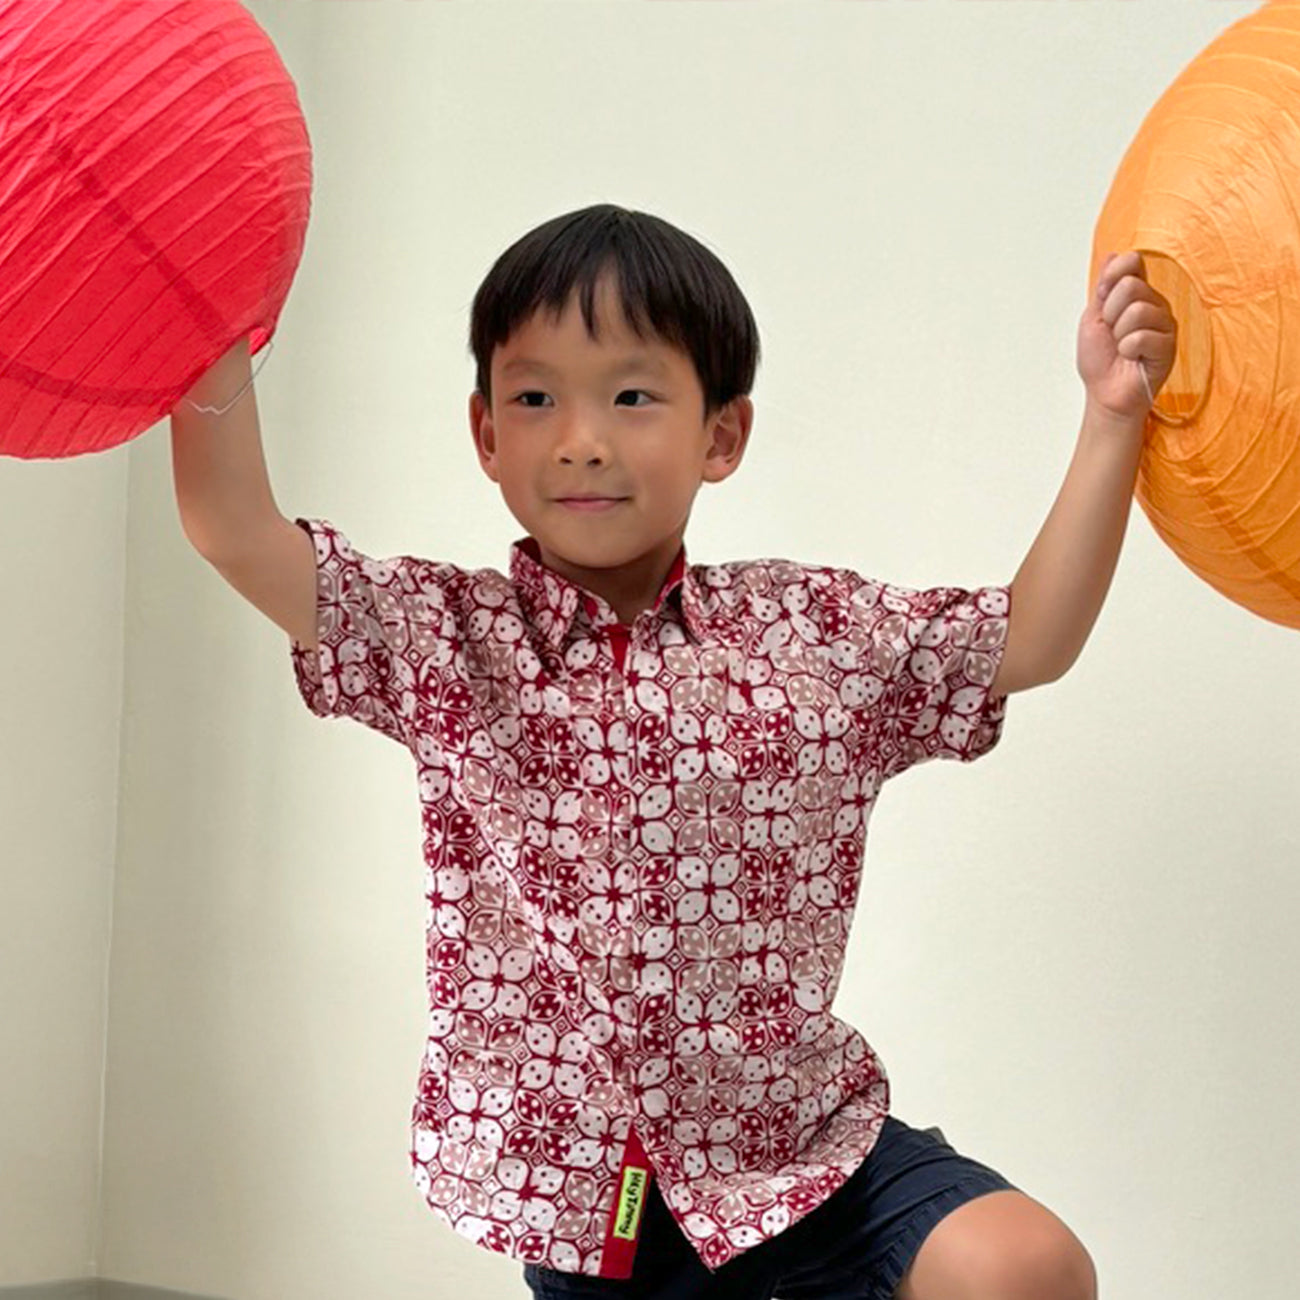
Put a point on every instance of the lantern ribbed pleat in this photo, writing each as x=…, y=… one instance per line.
x=155, y=186
x=1211, y=187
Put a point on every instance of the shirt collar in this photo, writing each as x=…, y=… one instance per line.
x=551, y=602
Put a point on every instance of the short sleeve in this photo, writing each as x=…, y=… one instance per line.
x=358, y=670
x=930, y=657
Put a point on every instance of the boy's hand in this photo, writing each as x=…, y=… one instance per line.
x=1127, y=332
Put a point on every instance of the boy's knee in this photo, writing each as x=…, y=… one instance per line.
x=1004, y=1246
x=1054, y=1267
x=1038, y=1258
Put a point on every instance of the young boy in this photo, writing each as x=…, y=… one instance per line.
x=645, y=787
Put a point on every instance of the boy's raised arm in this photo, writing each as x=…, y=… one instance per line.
x=223, y=491
x=227, y=509
x=1126, y=349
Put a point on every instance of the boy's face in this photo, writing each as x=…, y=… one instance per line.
x=618, y=422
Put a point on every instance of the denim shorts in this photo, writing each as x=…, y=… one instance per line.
x=854, y=1246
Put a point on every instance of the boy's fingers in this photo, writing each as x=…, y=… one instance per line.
x=1120, y=295
x=1142, y=314
x=1115, y=268
x=1132, y=293
x=1129, y=263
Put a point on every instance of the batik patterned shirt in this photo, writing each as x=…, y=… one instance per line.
x=643, y=849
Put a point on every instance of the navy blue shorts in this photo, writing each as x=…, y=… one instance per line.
x=855, y=1246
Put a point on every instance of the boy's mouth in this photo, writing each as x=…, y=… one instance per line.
x=590, y=503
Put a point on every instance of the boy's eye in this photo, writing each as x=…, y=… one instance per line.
x=526, y=399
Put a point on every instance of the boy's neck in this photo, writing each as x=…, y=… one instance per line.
x=628, y=589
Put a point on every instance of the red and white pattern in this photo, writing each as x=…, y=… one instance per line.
x=643, y=849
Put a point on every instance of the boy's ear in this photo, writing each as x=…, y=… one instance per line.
x=485, y=437
x=729, y=435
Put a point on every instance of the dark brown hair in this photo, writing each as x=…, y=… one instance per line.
x=670, y=285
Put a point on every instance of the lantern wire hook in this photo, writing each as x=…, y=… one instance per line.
x=221, y=410
x=1146, y=383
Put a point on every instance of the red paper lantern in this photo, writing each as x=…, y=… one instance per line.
x=155, y=185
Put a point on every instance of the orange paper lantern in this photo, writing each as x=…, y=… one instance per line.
x=155, y=180
x=1209, y=192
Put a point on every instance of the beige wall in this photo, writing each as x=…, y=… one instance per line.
x=63, y=536
x=1076, y=955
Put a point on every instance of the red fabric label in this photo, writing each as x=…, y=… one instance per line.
x=623, y=1230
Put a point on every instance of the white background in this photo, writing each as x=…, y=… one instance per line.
x=1077, y=955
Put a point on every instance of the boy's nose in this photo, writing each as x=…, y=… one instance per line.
x=581, y=440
